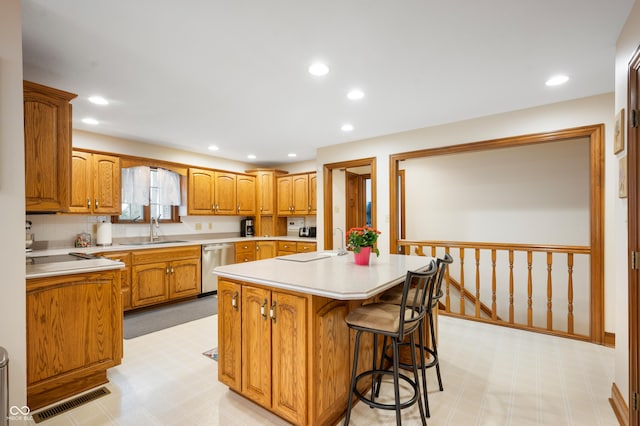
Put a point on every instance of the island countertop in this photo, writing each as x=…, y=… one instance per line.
x=326, y=274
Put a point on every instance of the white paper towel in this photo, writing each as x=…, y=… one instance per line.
x=103, y=237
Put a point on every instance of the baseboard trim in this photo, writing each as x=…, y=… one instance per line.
x=610, y=339
x=620, y=407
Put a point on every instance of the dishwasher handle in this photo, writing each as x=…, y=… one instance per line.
x=217, y=247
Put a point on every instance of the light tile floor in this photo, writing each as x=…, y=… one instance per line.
x=492, y=376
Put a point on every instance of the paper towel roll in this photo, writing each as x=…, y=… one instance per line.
x=103, y=237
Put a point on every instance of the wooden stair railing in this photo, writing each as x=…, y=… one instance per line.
x=531, y=314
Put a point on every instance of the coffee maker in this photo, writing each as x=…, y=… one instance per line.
x=246, y=228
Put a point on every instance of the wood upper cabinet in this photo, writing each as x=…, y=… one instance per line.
x=246, y=195
x=74, y=334
x=229, y=334
x=213, y=192
x=265, y=192
x=95, y=187
x=47, y=148
x=159, y=275
x=295, y=194
x=313, y=190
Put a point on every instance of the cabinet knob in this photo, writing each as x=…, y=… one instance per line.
x=263, y=309
x=167, y=271
x=88, y=203
x=238, y=207
x=234, y=301
x=96, y=203
x=172, y=270
x=272, y=312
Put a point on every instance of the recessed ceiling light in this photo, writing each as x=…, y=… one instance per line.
x=318, y=69
x=251, y=157
x=355, y=94
x=98, y=100
x=346, y=127
x=212, y=148
x=291, y=155
x=90, y=120
x=557, y=80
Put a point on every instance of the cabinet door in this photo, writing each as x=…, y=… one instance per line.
x=106, y=184
x=284, y=195
x=125, y=275
x=289, y=349
x=265, y=188
x=313, y=199
x=184, y=278
x=265, y=249
x=200, y=192
x=301, y=194
x=229, y=334
x=149, y=283
x=225, y=193
x=256, y=345
x=47, y=148
x=81, y=182
x=246, y=195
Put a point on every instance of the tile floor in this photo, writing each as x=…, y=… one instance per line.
x=492, y=376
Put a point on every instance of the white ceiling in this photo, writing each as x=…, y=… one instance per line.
x=188, y=74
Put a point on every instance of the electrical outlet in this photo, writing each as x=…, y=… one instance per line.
x=210, y=225
x=198, y=226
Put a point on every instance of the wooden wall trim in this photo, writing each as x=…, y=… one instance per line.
x=619, y=406
x=609, y=339
x=595, y=133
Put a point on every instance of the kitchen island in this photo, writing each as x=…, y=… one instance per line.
x=282, y=339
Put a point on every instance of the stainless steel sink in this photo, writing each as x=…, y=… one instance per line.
x=149, y=243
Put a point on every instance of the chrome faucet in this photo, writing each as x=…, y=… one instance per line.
x=153, y=233
x=342, y=251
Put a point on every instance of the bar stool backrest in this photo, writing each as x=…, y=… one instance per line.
x=422, y=284
x=442, y=264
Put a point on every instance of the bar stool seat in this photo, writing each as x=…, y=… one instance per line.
x=394, y=322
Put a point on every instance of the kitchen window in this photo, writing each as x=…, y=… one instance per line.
x=149, y=192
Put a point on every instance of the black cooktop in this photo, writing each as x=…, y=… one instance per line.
x=55, y=258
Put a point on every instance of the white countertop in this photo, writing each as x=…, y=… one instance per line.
x=71, y=267
x=326, y=274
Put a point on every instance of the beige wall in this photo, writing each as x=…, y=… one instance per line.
x=12, y=285
x=628, y=42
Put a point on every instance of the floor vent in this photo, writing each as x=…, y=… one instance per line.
x=69, y=405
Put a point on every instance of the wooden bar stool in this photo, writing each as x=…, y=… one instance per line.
x=394, y=296
x=393, y=322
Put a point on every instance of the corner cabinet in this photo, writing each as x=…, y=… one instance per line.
x=95, y=187
x=161, y=275
x=74, y=334
x=212, y=192
x=264, y=340
x=47, y=148
x=296, y=194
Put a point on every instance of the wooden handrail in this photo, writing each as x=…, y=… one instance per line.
x=535, y=314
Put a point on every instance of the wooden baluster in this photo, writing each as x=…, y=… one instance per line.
x=447, y=295
x=549, y=293
x=419, y=251
x=433, y=251
x=511, y=286
x=461, y=281
x=570, y=293
x=529, y=290
x=494, y=314
x=477, y=283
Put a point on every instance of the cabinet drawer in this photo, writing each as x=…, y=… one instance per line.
x=305, y=247
x=165, y=254
x=245, y=247
x=245, y=257
x=287, y=246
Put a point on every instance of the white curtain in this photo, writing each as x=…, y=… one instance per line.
x=169, y=184
x=135, y=185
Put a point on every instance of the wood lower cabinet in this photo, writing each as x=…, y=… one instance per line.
x=125, y=275
x=160, y=275
x=47, y=148
x=272, y=367
x=265, y=249
x=291, y=247
x=245, y=251
x=74, y=334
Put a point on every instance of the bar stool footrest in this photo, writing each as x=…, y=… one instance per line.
x=371, y=403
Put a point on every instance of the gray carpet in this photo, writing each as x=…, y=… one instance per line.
x=154, y=319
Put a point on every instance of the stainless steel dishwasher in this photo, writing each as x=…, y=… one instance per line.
x=214, y=255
